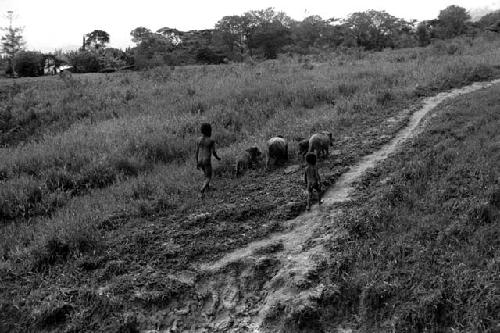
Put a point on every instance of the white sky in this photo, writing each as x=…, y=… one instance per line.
x=51, y=24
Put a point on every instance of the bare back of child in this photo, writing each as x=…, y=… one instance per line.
x=204, y=151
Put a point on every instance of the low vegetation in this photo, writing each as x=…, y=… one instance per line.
x=91, y=131
x=87, y=132
x=422, y=248
x=99, y=168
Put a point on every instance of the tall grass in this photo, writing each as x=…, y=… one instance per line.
x=422, y=248
x=102, y=129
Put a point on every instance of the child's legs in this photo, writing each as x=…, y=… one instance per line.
x=310, y=192
x=207, y=170
x=309, y=197
x=206, y=185
x=320, y=193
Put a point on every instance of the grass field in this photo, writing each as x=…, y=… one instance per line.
x=422, y=249
x=100, y=169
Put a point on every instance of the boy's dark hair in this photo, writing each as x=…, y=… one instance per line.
x=206, y=129
x=311, y=158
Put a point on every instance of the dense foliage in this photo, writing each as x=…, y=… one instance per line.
x=264, y=34
x=84, y=61
x=27, y=63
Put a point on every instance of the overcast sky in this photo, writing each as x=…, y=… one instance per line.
x=55, y=24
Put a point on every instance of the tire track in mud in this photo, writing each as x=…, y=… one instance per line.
x=269, y=284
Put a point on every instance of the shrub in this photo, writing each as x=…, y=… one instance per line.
x=28, y=63
x=113, y=58
x=84, y=62
x=208, y=56
x=151, y=52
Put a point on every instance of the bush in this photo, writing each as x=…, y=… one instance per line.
x=208, y=56
x=84, y=62
x=151, y=52
x=5, y=68
x=113, y=58
x=28, y=63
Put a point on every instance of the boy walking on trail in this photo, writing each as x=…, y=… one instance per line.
x=204, y=151
x=312, y=178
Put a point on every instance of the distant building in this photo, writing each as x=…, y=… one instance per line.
x=494, y=27
x=49, y=67
x=53, y=65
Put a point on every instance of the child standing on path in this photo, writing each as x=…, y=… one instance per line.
x=311, y=176
x=204, y=151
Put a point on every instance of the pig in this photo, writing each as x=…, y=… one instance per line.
x=248, y=159
x=277, y=151
x=320, y=142
x=303, y=147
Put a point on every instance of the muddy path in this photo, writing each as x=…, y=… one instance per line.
x=269, y=285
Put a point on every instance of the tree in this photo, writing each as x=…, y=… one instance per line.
x=423, y=34
x=264, y=30
x=269, y=38
x=375, y=30
x=309, y=32
x=490, y=21
x=258, y=18
x=234, y=31
x=12, y=42
x=139, y=34
x=452, y=21
x=96, y=39
x=173, y=35
x=267, y=31
x=152, y=51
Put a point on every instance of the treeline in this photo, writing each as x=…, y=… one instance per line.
x=262, y=34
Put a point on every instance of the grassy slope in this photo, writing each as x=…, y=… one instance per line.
x=112, y=234
x=134, y=121
x=90, y=132
x=423, y=245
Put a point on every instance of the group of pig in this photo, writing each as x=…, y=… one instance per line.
x=277, y=151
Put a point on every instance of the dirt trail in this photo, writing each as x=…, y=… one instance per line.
x=269, y=284
x=340, y=191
